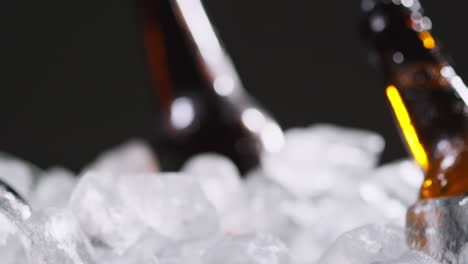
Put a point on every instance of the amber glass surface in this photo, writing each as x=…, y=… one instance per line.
x=439, y=117
x=428, y=99
x=196, y=113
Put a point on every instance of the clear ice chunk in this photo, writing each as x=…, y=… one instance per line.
x=248, y=249
x=13, y=206
x=270, y=207
x=134, y=156
x=366, y=245
x=157, y=249
x=11, y=249
x=315, y=158
x=54, y=188
x=335, y=145
x=172, y=204
x=103, y=213
x=306, y=247
x=54, y=237
x=218, y=177
x=13, y=212
x=7, y=229
x=414, y=257
x=299, y=221
x=316, y=234
x=151, y=248
x=220, y=181
x=463, y=255
x=395, y=185
x=19, y=174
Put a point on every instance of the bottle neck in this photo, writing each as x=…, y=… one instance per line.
x=171, y=56
x=400, y=35
x=184, y=53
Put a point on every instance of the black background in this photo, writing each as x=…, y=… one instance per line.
x=74, y=79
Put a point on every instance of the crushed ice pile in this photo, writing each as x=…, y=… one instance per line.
x=290, y=210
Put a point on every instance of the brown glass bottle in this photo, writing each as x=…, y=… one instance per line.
x=428, y=98
x=203, y=106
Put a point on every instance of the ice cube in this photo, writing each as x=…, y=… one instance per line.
x=54, y=237
x=463, y=255
x=396, y=185
x=322, y=220
x=102, y=212
x=366, y=245
x=12, y=205
x=12, y=251
x=248, y=249
x=414, y=257
x=221, y=183
x=13, y=212
x=54, y=188
x=334, y=145
x=314, y=159
x=351, y=204
x=19, y=174
x=172, y=204
x=157, y=249
x=270, y=206
x=218, y=177
x=134, y=156
x=193, y=251
x=7, y=229
x=305, y=247
x=151, y=248
x=277, y=211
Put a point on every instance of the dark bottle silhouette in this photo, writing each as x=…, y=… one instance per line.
x=203, y=106
x=428, y=98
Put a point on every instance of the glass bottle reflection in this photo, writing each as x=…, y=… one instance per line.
x=428, y=98
x=203, y=106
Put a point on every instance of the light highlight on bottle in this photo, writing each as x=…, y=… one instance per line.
x=427, y=39
x=182, y=112
x=406, y=126
x=427, y=183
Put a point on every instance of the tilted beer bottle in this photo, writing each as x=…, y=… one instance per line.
x=428, y=98
x=203, y=106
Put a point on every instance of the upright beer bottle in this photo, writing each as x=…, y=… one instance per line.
x=428, y=98
x=203, y=106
